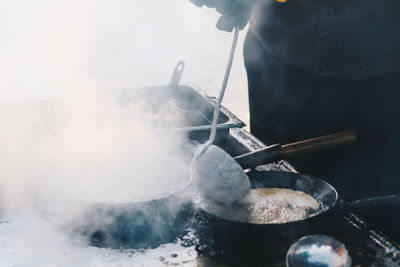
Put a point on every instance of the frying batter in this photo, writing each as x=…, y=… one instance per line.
x=266, y=206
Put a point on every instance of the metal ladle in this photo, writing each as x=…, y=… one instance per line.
x=217, y=174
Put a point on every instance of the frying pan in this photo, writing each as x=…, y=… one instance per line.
x=134, y=224
x=236, y=240
x=138, y=224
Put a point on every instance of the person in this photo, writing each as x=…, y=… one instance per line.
x=317, y=67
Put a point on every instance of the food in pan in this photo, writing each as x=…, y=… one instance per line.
x=267, y=206
x=278, y=205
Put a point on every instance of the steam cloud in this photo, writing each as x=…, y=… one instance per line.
x=86, y=147
x=75, y=51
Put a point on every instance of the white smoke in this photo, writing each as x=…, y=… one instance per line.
x=86, y=146
x=49, y=47
x=75, y=51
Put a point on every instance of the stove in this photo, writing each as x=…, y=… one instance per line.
x=367, y=245
x=198, y=241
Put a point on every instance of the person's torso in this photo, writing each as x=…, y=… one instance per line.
x=353, y=38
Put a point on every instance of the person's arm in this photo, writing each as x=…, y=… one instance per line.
x=234, y=12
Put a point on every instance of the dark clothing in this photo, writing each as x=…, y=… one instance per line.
x=290, y=104
x=317, y=67
x=337, y=38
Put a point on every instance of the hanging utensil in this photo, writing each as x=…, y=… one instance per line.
x=217, y=174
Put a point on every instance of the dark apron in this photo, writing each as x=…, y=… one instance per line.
x=289, y=104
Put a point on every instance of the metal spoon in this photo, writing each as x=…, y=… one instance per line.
x=217, y=174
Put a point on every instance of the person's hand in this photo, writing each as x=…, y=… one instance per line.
x=234, y=12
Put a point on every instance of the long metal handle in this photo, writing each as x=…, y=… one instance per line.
x=213, y=132
x=223, y=87
x=261, y=156
x=177, y=74
x=374, y=202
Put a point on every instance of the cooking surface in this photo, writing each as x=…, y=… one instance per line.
x=38, y=242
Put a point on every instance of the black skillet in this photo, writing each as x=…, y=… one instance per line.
x=237, y=241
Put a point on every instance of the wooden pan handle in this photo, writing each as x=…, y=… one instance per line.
x=319, y=143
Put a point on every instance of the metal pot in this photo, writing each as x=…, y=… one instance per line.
x=141, y=225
